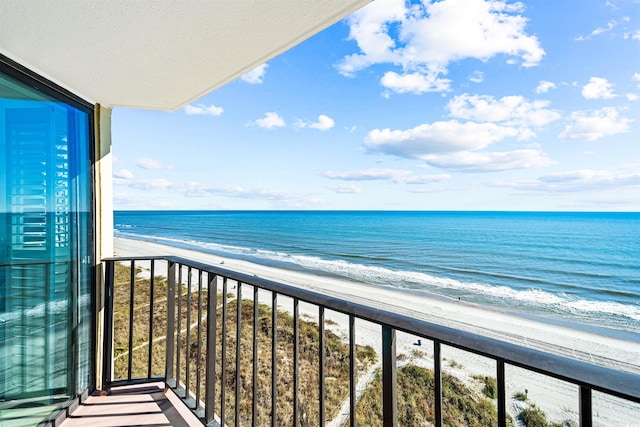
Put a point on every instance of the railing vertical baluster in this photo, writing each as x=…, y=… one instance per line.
x=254, y=393
x=274, y=358
x=223, y=368
x=586, y=408
x=503, y=354
x=352, y=371
x=296, y=355
x=238, y=348
x=132, y=281
x=171, y=318
x=151, y=301
x=437, y=378
x=179, y=327
x=321, y=355
x=389, y=383
x=187, y=350
x=210, y=368
x=502, y=394
x=107, y=357
x=199, y=354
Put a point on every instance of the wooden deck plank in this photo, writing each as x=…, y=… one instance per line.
x=136, y=405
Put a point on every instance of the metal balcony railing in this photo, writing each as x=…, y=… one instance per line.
x=188, y=332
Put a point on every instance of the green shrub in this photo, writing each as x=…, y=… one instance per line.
x=521, y=396
x=462, y=407
x=490, y=386
x=534, y=417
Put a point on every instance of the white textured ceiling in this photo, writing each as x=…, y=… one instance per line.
x=156, y=54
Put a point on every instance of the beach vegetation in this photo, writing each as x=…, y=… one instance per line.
x=418, y=353
x=455, y=364
x=521, y=396
x=462, y=405
x=336, y=367
x=416, y=401
x=366, y=354
x=141, y=312
x=535, y=417
x=490, y=388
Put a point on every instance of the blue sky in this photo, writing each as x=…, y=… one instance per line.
x=439, y=105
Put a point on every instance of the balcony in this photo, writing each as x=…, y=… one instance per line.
x=238, y=349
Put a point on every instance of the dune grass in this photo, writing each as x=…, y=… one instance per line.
x=336, y=353
x=462, y=405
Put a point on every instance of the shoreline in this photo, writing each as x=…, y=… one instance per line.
x=558, y=399
x=553, y=319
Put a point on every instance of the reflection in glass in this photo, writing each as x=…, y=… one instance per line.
x=45, y=252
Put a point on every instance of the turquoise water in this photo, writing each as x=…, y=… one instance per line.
x=580, y=267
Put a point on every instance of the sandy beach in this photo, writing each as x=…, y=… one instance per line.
x=559, y=400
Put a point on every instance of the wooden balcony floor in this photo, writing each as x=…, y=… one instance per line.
x=138, y=405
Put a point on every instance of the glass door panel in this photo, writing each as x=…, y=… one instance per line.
x=45, y=251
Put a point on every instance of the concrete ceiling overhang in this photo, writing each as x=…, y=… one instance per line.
x=156, y=54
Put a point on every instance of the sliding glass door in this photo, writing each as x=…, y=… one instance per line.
x=45, y=250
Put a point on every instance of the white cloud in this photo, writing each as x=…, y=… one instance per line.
x=397, y=176
x=368, y=175
x=369, y=27
x=255, y=76
x=632, y=97
x=636, y=78
x=600, y=30
x=124, y=174
x=270, y=120
x=203, y=110
x=597, y=124
x=196, y=189
x=324, y=123
x=152, y=184
x=148, y=163
x=579, y=180
x=345, y=189
x=610, y=26
x=511, y=110
x=423, y=39
x=598, y=88
x=278, y=198
x=438, y=137
x=416, y=83
x=454, y=145
x=469, y=161
x=476, y=77
x=635, y=35
x=425, y=179
x=544, y=86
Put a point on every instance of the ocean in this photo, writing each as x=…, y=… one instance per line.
x=580, y=268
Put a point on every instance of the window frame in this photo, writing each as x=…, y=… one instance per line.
x=41, y=84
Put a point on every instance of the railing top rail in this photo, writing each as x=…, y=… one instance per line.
x=617, y=383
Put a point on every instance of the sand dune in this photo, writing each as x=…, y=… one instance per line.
x=558, y=399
